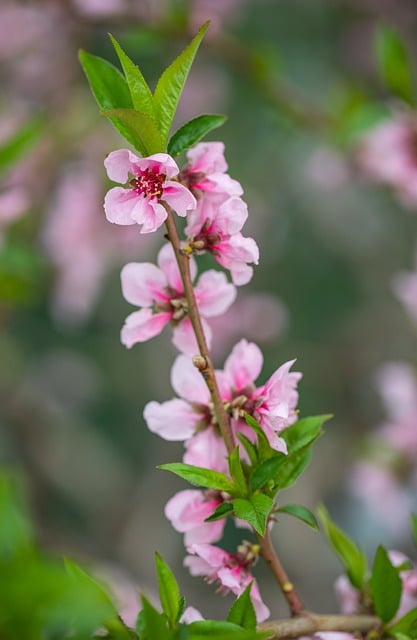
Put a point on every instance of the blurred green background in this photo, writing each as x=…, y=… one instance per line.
x=293, y=76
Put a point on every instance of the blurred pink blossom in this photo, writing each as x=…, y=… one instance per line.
x=387, y=154
x=81, y=245
x=221, y=14
x=404, y=285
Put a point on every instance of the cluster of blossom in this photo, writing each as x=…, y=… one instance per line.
x=215, y=213
x=388, y=480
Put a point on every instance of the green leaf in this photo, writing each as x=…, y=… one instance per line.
x=292, y=466
x=265, y=450
x=407, y=624
x=300, y=512
x=394, y=63
x=193, y=131
x=109, y=88
x=169, y=591
x=222, y=511
x=249, y=448
x=140, y=92
x=242, y=611
x=386, y=586
x=200, y=477
x=236, y=472
x=16, y=535
x=304, y=432
x=150, y=624
x=171, y=83
x=19, y=143
x=351, y=556
x=142, y=129
x=413, y=520
x=254, y=510
x=266, y=471
x=219, y=630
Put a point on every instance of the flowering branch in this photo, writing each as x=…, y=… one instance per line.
x=205, y=366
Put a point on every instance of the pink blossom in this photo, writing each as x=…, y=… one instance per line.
x=409, y=582
x=191, y=614
x=215, y=227
x=149, y=185
x=190, y=417
x=230, y=570
x=160, y=293
x=387, y=155
x=187, y=511
x=347, y=595
x=206, y=171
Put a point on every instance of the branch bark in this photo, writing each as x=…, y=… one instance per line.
x=309, y=623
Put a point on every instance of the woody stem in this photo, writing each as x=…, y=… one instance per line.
x=206, y=366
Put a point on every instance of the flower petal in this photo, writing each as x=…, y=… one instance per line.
x=143, y=284
x=187, y=382
x=172, y=420
x=244, y=364
x=119, y=204
x=214, y=293
x=119, y=164
x=143, y=325
x=179, y=198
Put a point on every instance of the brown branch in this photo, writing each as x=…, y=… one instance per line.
x=271, y=558
x=204, y=363
x=309, y=623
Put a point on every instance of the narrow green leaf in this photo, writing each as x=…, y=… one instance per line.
x=242, y=611
x=193, y=131
x=16, y=535
x=142, y=129
x=150, y=624
x=140, y=92
x=266, y=471
x=171, y=83
x=169, y=591
x=351, y=556
x=300, y=512
x=200, y=477
x=386, y=586
x=236, y=472
x=109, y=88
x=407, y=624
x=254, y=510
x=19, y=143
x=265, y=450
x=401, y=636
x=394, y=63
x=222, y=511
x=249, y=448
x=413, y=521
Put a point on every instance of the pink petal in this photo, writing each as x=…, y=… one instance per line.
x=231, y=216
x=119, y=204
x=244, y=364
x=206, y=449
x=143, y=284
x=179, y=198
x=119, y=164
x=172, y=420
x=187, y=511
x=149, y=213
x=187, y=382
x=184, y=338
x=221, y=183
x=214, y=293
x=207, y=157
x=143, y=325
x=159, y=163
x=213, y=556
x=168, y=264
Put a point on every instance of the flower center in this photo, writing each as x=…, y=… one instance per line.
x=148, y=184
